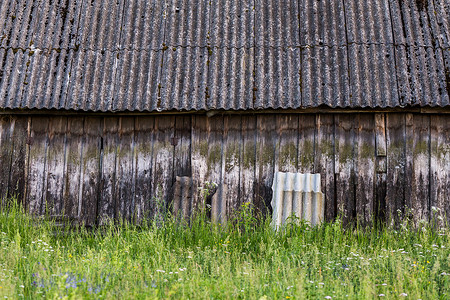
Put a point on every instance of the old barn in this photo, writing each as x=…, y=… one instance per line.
x=111, y=107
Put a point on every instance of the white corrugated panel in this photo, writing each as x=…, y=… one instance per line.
x=299, y=195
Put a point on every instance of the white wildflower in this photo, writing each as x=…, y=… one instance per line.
x=381, y=295
x=403, y=295
x=161, y=271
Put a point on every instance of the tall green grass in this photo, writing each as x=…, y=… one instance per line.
x=243, y=259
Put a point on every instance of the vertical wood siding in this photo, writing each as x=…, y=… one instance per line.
x=96, y=169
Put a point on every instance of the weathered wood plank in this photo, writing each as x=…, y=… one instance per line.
x=287, y=145
x=6, y=149
x=55, y=165
x=380, y=130
x=266, y=142
x=182, y=197
x=439, y=167
x=163, y=152
x=215, y=127
x=72, y=186
x=306, y=140
x=345, y=166
x=324, y=161
x=365, y=168
x=182, y=143
x=248, y=159
x=37, y=165
x=395, y=178
x=417, y=194
x=108, y=202
x=90, y=171
x=144, y=133
x=125, y=170
x=231, y=164
x=16, y=183
x=199, y=156
x=380, y=197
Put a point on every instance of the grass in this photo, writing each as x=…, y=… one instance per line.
x=205, y=261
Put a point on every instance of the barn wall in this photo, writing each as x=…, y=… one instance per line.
x=89, y=169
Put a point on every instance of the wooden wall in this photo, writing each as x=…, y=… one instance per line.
x=91, y=168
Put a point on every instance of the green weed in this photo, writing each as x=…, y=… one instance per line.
x=243, y=259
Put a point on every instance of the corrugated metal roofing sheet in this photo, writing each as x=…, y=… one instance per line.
x=178, y=55
x=297, y=195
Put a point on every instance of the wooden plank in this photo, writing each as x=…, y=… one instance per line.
x=248, y=159
x=144, y=130
x=55, y=165
x=345, y=167
x=72, y=185
x=365, y=168
x=6, y=149
x=37, y=165
x=125, y=180
x=266, y=142
x=182, y=144
x=199, y=157
x=108, y=209
x=182, y=167
x=16, y=183
x=395, y=176
x=163, y=152
x=409, y=140
x=306, y=140
x=380, y=126
x=90, y=171
x=231, y=165
x=324, y=161
x=439, y=167
x=287, y=145
x=418, y=166
x=380, y=197
x=215, y=127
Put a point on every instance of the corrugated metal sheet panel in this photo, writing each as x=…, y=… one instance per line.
x=299, y=195
x=324, y=60
x=100, y=26
x=137, y=92
x=232, y=24
x=178, y=55
x=143, y=25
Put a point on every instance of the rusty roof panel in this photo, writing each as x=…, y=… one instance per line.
x=276, y=23
x=143, y=25
x=232, y=24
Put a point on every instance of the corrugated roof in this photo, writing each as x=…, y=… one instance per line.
x=132, y=55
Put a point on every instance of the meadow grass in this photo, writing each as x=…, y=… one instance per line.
x=244, y=259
